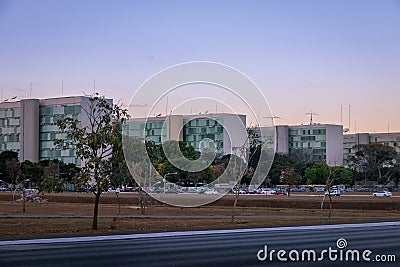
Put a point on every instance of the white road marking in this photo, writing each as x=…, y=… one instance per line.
x=191, y=233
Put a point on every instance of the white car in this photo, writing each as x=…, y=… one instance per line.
x=211, y=192
x=266, y=191
x=333, y=192
x=383, y=193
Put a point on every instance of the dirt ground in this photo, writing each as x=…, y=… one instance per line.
x=70, y=213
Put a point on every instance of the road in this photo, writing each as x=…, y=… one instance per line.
x=213, y=248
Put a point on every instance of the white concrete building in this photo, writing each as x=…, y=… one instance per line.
x=29, y=127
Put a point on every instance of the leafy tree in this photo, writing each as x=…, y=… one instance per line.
x=8, y=162
x=290, y=177
x=342, y=175
x=317, y=173
x=12, y=170
x=95, y=142
x=32, y=171
x=51, y=180
x=373, y=158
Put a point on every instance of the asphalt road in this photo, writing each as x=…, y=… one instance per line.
x=216, y=248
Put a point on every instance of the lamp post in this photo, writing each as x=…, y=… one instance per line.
x=165, y=178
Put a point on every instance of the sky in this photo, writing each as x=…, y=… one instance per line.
x=319, y=56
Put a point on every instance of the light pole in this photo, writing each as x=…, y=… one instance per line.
x=165, y=178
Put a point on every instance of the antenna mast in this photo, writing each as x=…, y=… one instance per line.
x=311, y=116
x=349, y=117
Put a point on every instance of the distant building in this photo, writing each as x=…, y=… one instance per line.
x=317, y=142
x=350, y=141
x=29, y=127
x=313, y=142
x=226, y=131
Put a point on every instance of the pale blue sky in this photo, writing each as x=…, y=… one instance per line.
x=304, y=55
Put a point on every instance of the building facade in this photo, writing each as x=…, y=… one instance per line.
x=221, y=132
x=350, y=141
x=29, y=127
x=312, y=142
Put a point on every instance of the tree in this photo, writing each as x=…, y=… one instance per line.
x=9, y=166
x=374, y=157
x=317, y=173
x=12, y=170
x=51, y=180
x=290, y=177
x=95, y=142
x=32, y=171
x=342, y=175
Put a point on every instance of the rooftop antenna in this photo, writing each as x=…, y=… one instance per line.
x=166, y=108
x=273, y=117
x=30, y=92
x=349, y=117
x=311, y=116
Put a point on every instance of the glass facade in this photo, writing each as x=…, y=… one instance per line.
x=49, y=131
x=152, y=130
x=309, y=144
x=196, y=130
x=10, y=129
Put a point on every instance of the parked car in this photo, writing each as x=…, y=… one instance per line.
x=333, y=192
x=211, y=192
x=3, y=188
x=241, y=191
x=266, y=191
x=281, y=193
x=382, y=193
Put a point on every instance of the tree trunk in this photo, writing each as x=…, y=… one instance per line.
x=380, y=175
x=114, y=223
x=330, y=206
x=96, y=209
x=235, y=203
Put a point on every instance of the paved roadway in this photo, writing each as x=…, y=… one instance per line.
x=208, y=248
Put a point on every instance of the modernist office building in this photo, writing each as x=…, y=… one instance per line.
x=222, y=132
x=29, y=127
x=350, y=141
x=312, y=142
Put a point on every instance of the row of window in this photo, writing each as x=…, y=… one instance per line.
x=59, y=110
x=10, y=113
x=307, y=131
x=307, y=144
x=201, y=122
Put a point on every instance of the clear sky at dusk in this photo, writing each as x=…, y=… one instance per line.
x=304, y=55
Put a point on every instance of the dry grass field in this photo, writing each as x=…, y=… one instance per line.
x=70, y=213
